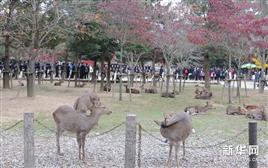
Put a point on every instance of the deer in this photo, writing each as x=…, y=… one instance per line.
x=86, y=102
x=204, y=95
x=176, y=128
x=67, y=119
x=194, y=110
x=170, y=94
x=236, y=110
x=150, y=90
x=258, y=113
x=107, y=87
x=133, y=90
x=58, y=83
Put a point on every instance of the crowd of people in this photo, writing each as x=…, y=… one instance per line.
x=18, y=68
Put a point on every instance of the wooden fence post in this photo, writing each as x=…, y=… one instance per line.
x=29, y=140
x=253, y=148
x=130, y=141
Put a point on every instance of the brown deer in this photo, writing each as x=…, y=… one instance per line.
x=107, y=87
x=67, y=119
x=170, y=94
x=175, y=128
x=250, y=107
x=194, y=110
x=150, y=90
x=204, y=95
x=133, y=90
x=58, y=83
x=236, y=110
x=86, y=102
x=258, y=113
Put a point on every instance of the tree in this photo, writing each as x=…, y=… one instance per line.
x=125, y=21
x=169, y=33
x=8, y=10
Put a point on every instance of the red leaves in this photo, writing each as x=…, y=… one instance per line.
x=233, y=19
x=125, y=19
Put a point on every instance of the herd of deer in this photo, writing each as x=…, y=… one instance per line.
x=176, y=127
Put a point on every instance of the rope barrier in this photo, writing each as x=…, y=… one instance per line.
x=93, y=136
x=220, y=143
x=151, y=134
x=261, y=130
x=106, y=132
x=12, y=126
x=197, y=147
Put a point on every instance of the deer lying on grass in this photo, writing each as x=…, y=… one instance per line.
x=86, y=102
x=236, y=110
x=107, y=87
x=150, y=90
x=170, y=94
x=176, y=127
x=67, y=119
x=194, y=110
x=202, y=93
x=133, y=90
x=258, y=113
x=58, y=83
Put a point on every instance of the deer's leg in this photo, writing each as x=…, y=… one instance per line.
x=83, y=146
x=183, y=145
x=176, y=153
x=169, y=156
x=78, y=138
x=58, y=134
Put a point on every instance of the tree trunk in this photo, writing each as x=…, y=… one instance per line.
x=102, y=74
x=154, y=78
x=30, y=84
x=206, y=70
x=64, y=73
x=143, y=74
x=94, y=71
x=76, y=72
x=109, y=73
x=262, y=78
x=120, y=84
x=6, y=76
x=168, y=78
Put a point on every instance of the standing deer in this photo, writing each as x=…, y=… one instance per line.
x=175, y=128
x=67, y=119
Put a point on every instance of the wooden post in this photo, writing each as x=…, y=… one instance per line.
x=130, y=141
x=29, y=140
x=252, y=134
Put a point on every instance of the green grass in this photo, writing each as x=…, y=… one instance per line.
x=149, y=107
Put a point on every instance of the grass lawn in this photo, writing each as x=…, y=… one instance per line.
x=147, y=107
